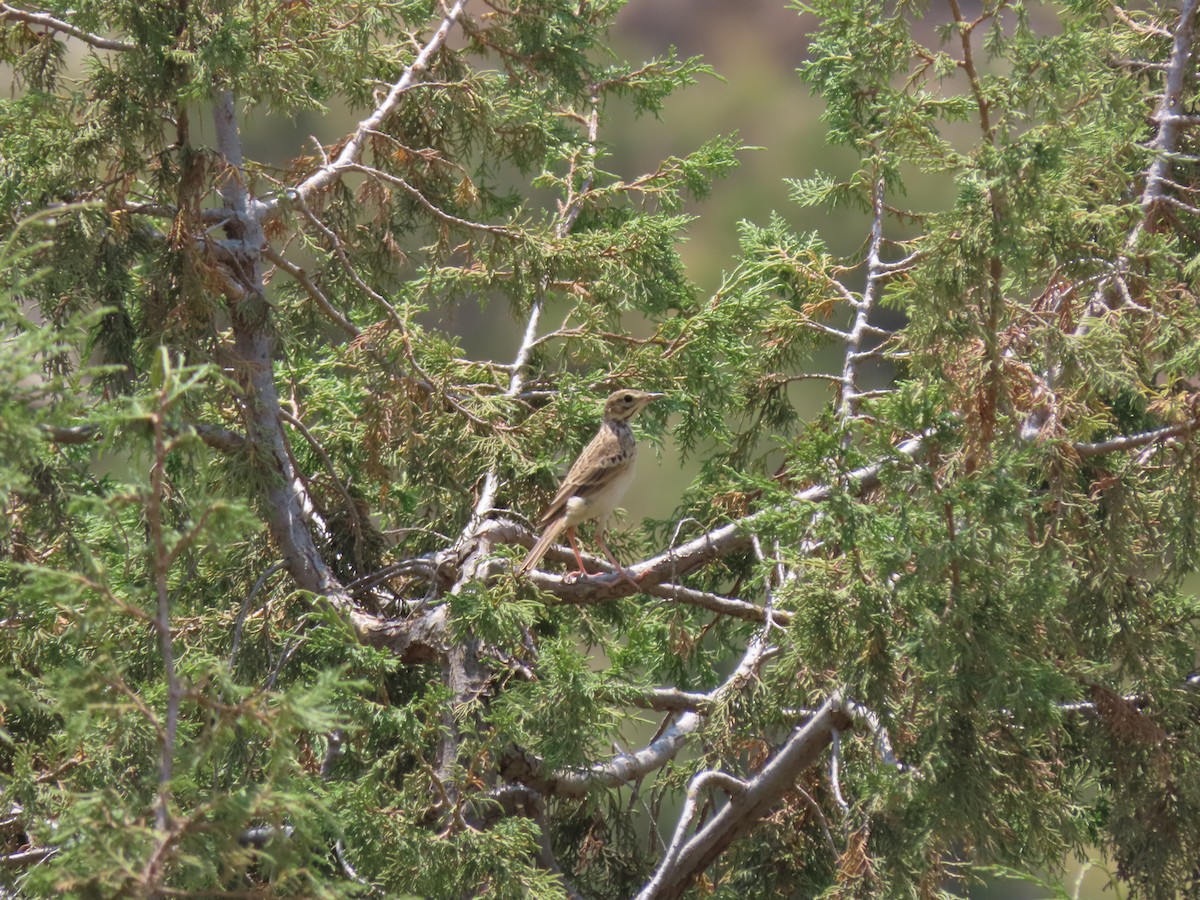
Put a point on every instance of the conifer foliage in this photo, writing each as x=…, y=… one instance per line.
x=260, y=634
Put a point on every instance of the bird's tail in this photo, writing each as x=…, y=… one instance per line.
x=549, y=536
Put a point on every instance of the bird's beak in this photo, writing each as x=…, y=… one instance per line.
x=650, y=397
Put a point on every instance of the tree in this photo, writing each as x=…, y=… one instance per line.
x=261, y=507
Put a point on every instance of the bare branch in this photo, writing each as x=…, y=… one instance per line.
x=216, y=437
x=819, y=813
x=1136, y=26
x=848, y=407
x=339, y=250
x=672, y=700
x=221, y=438
x=12, y=13
x=701, y=782
x=590, y=589
x=803, y=376
x=240, y=622
x=631, y=766
x=416, y=639
x=302, y=278
x=1132, y=441
x=160, y=562
x=568, y=212
x=968, y=64
x=28, y=857
x=284, y=504
x=573, y=204
x=883, y=742
x=1169, y=115
x=835, y=781
x=351, y=508
x=756, y=799
x=428, y=205
x=351, y=152
x=626, y=767
x=72, y=434
x=827, y=330
x=735, y=535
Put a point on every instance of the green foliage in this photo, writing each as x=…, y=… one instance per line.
x=257, y=640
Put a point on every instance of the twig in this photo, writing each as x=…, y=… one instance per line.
x=28, y=857
x=1169, y=115
x=671, y=700
x=239, y=623
x=302, y=278
x=428, y=205
x=585, y=590
x=424, y=566
x=568, y=212
x=815, y=807
x=883, y=742
x=339, y=250
x=631, y=766
x=216, y=437
x=968, y=64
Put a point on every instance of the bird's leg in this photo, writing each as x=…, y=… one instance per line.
x=574, y=576
x=613, y=559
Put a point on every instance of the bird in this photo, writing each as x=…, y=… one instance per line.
x=594, y=485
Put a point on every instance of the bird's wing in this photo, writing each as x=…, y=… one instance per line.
x=594, y=468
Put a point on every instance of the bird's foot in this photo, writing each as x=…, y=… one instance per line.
x=623, y=574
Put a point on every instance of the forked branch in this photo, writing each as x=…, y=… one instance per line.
x=352, y=150
x=756, y=797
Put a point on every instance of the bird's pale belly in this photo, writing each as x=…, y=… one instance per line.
x=601, y=504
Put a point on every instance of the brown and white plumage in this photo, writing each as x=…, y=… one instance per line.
x=597, y=481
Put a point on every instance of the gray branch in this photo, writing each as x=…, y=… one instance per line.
x=213, y=435
x=12, y=13
x=1133, y=441
x=757, y=797
x=632, y=766
x=28, y=857
x=284, y=502
x=1171, y=114
x=303, y=279
x=735, y=536
x=700, y=783
x=1171, y=122
x=352, y=150
x=861, y=328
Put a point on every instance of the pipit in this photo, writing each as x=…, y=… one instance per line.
x=595, y=483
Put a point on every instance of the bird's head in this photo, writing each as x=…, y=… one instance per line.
x=625, y=404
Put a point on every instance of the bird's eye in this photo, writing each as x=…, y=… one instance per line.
x=628, y=398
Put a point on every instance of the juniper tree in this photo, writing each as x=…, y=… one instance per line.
x=262, y=508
